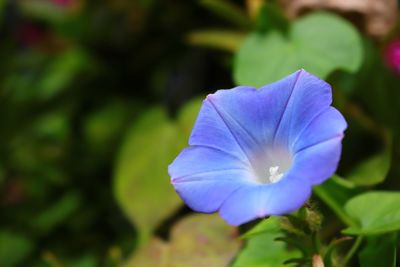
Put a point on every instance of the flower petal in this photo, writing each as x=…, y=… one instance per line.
x=254, y=114
x=214, y=128
x=204, y=177
x=206, y=192
x=309, y=97
x=276, y=111
x=257, y=201
x=328, y=124
x=318, y=162
x=242, y=133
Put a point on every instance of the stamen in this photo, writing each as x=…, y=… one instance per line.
x=274, y=175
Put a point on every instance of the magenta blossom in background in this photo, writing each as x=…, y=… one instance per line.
x=258, y=152
x=392, y=55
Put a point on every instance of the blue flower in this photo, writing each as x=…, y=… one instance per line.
x=258, y=152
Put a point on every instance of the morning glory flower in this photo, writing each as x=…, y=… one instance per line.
x=258, y=152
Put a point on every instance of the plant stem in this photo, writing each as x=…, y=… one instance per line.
x=317, y=261
x=353, y=249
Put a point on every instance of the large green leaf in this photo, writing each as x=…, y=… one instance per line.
x=261, y=249
x=196, y=241
x=203, y=240
x=379, y=251
x=376, y=212
x=13, y=248
x=319, y=43
x=142, y=184
x=154, y=254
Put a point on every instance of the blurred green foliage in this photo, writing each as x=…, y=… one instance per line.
x=197, y=240
x=98, y=97
x=380, y=250
x=75, y=75
x=308, y=44
x=144, y=179
x=13, y=248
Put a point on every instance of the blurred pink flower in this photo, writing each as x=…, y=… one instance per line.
x=392, y=55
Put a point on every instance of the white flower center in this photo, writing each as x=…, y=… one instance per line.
x=274, y=175
x=270, y=166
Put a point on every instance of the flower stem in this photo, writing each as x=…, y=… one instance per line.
x=353, y=250
x=317, y=261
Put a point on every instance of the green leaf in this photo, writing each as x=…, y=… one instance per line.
x=267, y=225
x=43, y=10
x=61, y=71
x=85, y=261
x=198, y=240
x=376, y=212
x=220, y=39
x=270, y=17
x=374, y=170
x=229, y=11
x=261, y=249
x=57, y=213
x=154, y=254
x=39, y=76
x=379, y=251
x=52, y=126
x=142, y=185
x=13, y=248
x=319, y=43
x=335, y=192
x=203, y=240
x=103, y=127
